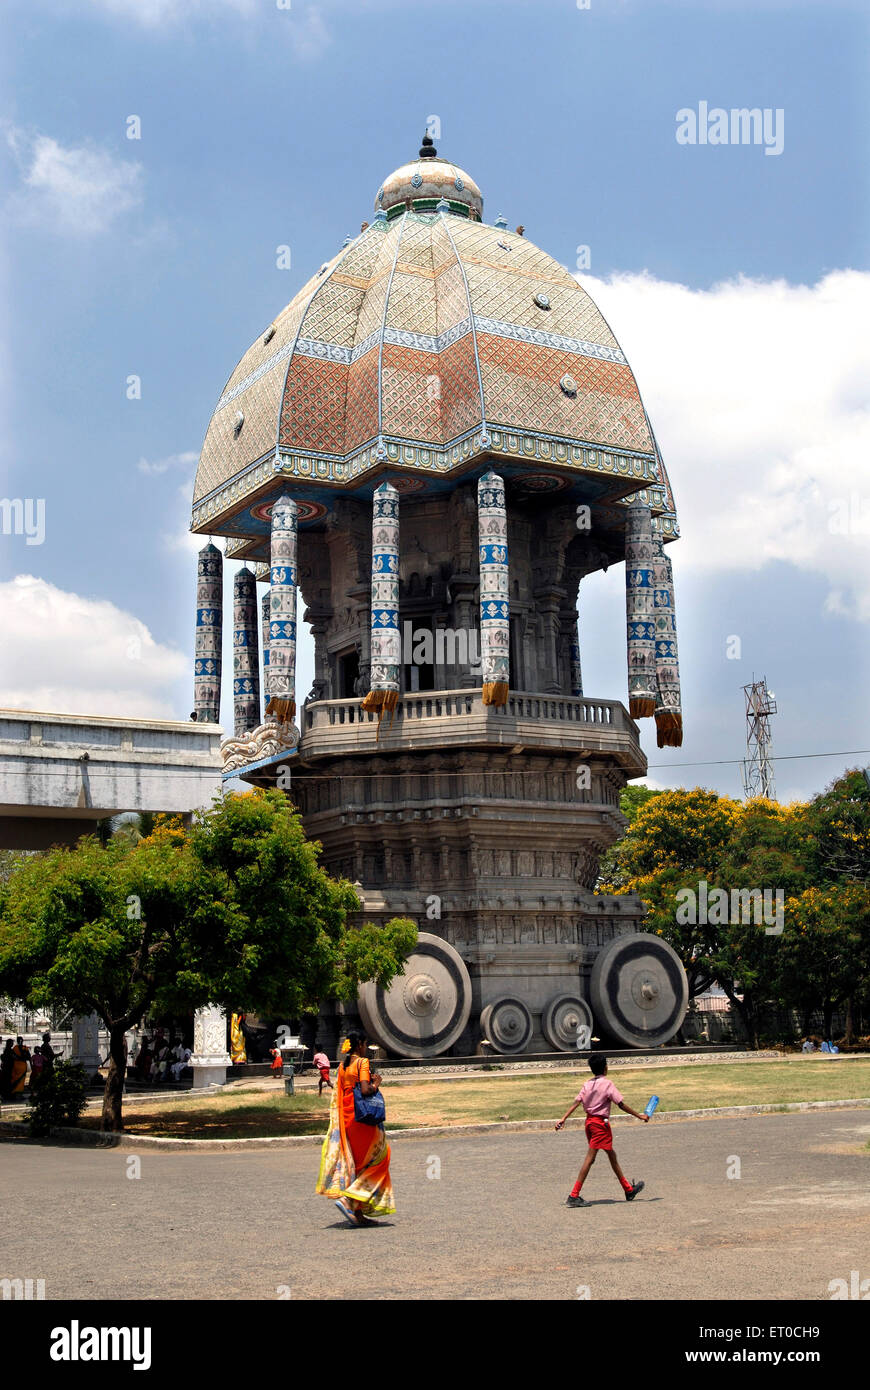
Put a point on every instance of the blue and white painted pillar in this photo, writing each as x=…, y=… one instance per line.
x=209, y=632
x=386, y=651
x=640, y=617
x=265, y=604
x=669, y=715
x=282, y=612
x=246, y=665
x=494, y=592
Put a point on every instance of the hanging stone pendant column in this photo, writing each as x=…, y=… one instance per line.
x=386, y=650
x=209, y=633
x=265, y=602
x=246, y=666
x=282, y=613
x=640, y=618
x=669, y=718
x=494, y=593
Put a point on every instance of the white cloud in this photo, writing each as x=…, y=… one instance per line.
x=181, y=537
x=759, y=393
x=185, y=460
x=302, y=21
x=79, y=189
x=68, y=654
x=309, y=35
x=152, y=13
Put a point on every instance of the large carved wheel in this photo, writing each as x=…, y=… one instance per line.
x=639, y=990
x=564, y=1014
x=507, y=1025
x=426, y=1008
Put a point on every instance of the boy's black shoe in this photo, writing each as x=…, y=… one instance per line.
x=631, y=1192
x=576, y=1202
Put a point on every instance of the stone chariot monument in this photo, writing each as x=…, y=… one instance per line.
x=433, y=444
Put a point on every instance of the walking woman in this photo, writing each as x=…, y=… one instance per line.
x=20, y=1058
x=355, y=1159
x=6, y=1061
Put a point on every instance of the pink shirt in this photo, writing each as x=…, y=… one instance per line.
x=321, y=1059
x=597, y=1095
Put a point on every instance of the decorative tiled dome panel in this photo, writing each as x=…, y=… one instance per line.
x=430, y=336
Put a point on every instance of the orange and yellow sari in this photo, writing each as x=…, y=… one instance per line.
x=19, y=1068
x=355, y=1158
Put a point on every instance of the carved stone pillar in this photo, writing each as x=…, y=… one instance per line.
x=210, y=1057
x=361, y=597
x=86, y=1043
x=463, y=591
x=325, y=685
x=549, y=602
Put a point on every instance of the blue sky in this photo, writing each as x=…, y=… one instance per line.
x=263, y=126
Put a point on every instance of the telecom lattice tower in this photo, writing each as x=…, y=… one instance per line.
x=758, y=764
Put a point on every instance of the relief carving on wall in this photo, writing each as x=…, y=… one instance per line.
x=266, y=741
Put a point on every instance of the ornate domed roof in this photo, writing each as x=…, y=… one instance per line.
x=430, y=342
x=426, y=180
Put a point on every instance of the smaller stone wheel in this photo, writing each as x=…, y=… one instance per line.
x=639, y=990
x=507, y=1024
x=426, y=1007
x=562, y=1017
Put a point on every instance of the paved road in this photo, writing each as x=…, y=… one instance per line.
x=237, y=1225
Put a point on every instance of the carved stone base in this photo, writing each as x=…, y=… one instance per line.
x=210, y=1058
x=86, y=1043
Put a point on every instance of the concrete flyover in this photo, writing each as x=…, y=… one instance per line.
x=61, y=773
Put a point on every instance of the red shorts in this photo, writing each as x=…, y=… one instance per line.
x=324, y=1072
x=598, y=1133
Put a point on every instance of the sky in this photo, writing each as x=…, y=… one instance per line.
x=735, y=278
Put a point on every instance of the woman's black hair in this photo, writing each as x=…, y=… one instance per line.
x=597, y=1063
x=354, y=1038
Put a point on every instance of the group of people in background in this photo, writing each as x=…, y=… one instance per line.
x=15, y=1060
x=160, y=1059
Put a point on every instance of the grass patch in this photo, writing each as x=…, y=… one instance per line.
x=480, y=1099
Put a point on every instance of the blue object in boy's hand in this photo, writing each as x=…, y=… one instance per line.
x=651, y=1105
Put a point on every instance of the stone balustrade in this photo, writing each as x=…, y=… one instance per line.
x=440, y=718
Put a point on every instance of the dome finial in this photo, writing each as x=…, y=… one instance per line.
x=427, y=149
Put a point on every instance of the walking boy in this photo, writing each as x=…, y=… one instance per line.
x=321, y=1061
x=596, y=1097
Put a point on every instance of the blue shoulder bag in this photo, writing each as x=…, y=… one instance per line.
x=368, y=1110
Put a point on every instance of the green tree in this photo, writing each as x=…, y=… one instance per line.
x=676, y=840
x=134, y=828
x=764, y=853
x=610, y=870
x=679, y=840
x=12, y=859
x=837, y=830
x=235, y=911
x=826, y=949
x=684, y=846
x=59, y=1099
x=632, y=799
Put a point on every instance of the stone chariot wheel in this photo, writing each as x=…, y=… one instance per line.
x=564, y=1014
x=425, y=1008
x=639, y=990
x=507, y=1024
